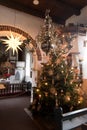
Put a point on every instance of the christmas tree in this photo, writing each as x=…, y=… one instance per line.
x=59, y=82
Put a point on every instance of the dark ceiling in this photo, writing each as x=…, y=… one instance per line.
x=60, y=10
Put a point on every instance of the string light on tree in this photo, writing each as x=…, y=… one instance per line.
x=58, y=80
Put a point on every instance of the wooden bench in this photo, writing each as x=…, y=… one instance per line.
x=72, y=119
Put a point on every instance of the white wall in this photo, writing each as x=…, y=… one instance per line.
x=26, y=22
x=81, y=19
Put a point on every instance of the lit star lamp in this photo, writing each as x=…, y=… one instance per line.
x=13, y=43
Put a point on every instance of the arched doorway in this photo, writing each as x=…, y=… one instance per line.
x=20, y=57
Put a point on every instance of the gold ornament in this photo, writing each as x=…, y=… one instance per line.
x=67, y=97
x=50, y=72
x=46, y=94
x=53, y=90
x=57, y=77
x=58, y=61
x=80, y=100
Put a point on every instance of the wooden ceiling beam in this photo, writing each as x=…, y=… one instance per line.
x=72, y=9
x=60, y=10
x=29, y=10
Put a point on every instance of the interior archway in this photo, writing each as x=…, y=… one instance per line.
x=5, y=30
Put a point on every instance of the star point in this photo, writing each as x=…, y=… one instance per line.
x=13, y=43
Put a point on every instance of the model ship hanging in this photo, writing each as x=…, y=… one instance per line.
x=49, y=36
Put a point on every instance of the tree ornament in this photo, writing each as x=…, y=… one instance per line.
x=80, y=100
x=46, y=94
x=50, y=72
x=57, y=77
x=53, y=90
x=67, y=98
x=58, y=61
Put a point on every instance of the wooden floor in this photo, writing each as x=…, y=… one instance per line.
x=13, y=116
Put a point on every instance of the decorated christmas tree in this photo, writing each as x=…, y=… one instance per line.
x=59, y=82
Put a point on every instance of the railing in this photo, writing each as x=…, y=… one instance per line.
x=10, y=89
x=62, y=121
x=70, y=120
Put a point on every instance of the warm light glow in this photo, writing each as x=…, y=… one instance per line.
x=67, y=98
x=37, y=90
x=80, y=100
x=55, y=94
x=39, y=95
x=35, y=2
x=13, y=43
x=46, y=83
x=2, y=86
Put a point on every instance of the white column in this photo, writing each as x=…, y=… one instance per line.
x=27, y=67
x=27, y=72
